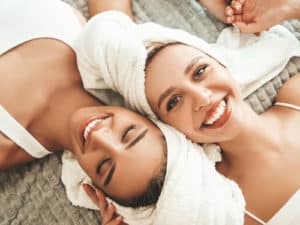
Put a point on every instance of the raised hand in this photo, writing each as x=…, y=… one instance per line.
x=107, y=210
x=253, y=16
x=216, y=8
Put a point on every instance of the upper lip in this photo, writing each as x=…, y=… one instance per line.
x=87, y=121
x=212, y=109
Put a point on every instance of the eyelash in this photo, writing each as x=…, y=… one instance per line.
x=199, y=71
x=131, y=127
x=173, y=102
x=196, y=76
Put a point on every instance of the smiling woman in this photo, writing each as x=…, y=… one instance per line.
x=122, y=152
x=192, y=85
x=193, y=94
x=44, y=108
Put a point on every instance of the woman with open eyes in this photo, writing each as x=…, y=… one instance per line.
x=187, y=87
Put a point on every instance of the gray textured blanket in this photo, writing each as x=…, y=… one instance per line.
x=34, y=195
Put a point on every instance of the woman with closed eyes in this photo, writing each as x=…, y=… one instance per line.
x=187, y=85
x=44, y=107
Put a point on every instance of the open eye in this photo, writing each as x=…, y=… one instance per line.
x=129, y=131
x=199, y=71
x=173, y=102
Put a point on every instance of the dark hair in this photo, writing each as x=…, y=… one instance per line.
x=152, y=193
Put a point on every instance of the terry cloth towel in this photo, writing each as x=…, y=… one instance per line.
x=116, y=48
x=193, y=191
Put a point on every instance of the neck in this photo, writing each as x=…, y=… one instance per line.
x=68, y=99
x=258, y=138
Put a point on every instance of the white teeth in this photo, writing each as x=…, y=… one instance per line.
x=217, y=114
x=89, y=127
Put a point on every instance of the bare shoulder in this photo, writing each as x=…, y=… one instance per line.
x=290, y=91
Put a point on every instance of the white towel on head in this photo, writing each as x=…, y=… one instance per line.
x=113, y=45
x=193, y=191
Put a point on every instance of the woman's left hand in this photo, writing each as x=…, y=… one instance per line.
x=107, y=210
x=218, y=8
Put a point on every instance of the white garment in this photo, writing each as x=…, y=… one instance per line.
x=21, y=21
x=289, y=213
x=193, y=191
x=118, y=57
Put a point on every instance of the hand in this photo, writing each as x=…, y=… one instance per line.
x=216, y=8
x=107, y=210
x=253, y=16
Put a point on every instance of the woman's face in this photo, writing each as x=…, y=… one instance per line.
x=194, y=93
x=119, y=149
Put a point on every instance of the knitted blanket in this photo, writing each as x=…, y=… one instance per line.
x=34, y=195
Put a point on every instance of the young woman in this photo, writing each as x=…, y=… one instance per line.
x=44, y=107
x=123, y=153
x=189, y=89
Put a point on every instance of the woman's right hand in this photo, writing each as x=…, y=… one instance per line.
x=107, y=210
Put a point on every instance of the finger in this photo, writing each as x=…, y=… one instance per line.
x=91, y=193
x=242, y=2
x=229, y=11
x=236, y=6
x=237, y=18
x=108, y=215
x=116, y=221
x=230, y=19
x=102, y=202
x=248, y=27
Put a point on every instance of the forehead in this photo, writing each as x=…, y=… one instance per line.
x=176, y=52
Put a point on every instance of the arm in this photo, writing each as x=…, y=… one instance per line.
x=98, y=6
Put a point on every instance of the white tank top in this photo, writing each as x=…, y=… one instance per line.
x=289, y=214
x=21, y=21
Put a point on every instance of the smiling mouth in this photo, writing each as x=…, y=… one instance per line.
x=91, y=124
x=218, y=115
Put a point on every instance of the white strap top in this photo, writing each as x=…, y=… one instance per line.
x=289, y=214
x=287, y=105
x=21, y=21
x=12, y=129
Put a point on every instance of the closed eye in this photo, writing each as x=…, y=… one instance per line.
x=173, y=102
x=125, y=136
x=199, y=71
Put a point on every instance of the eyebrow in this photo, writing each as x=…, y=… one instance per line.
x=137, y=139
x=165, y=95
x=192, y=63
x=187, y=70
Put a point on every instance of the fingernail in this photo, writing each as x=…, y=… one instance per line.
x=119, y=218
x=85, y=186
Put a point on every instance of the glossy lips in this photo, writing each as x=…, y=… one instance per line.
x=91, y=124
x=217, y=116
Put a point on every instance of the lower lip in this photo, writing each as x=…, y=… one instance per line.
x=223, y=119
x=86, y=122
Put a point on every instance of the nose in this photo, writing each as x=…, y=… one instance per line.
x=201, y=96
x=105, y=141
